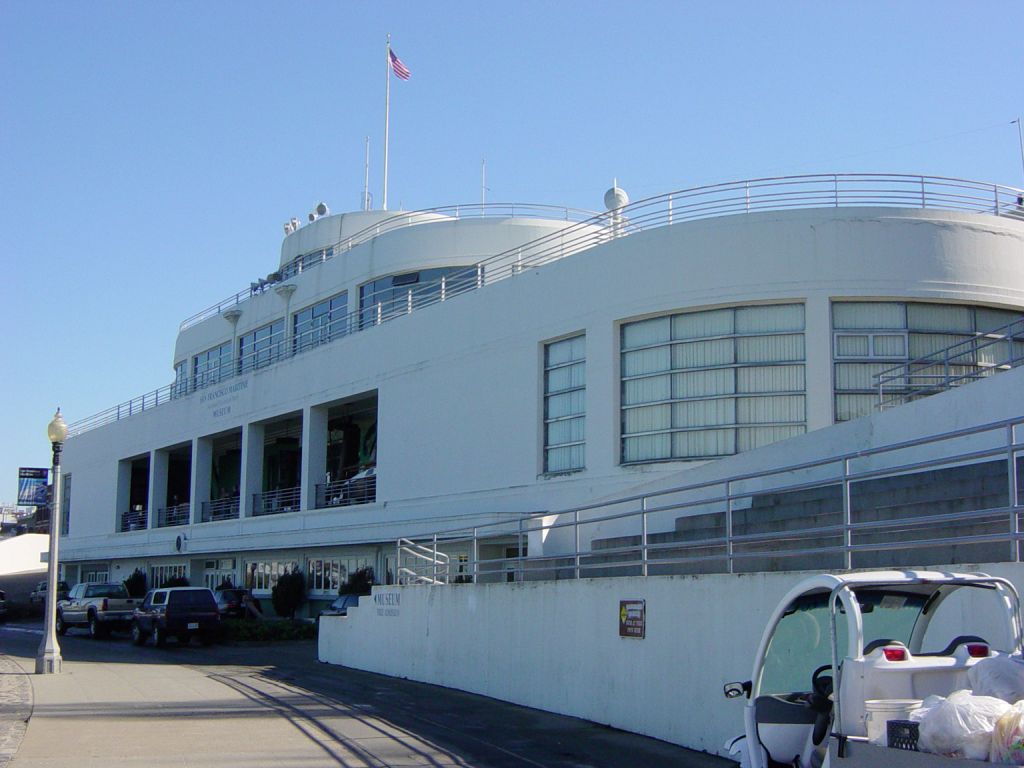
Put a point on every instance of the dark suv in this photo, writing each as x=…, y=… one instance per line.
x=182, y=612
x=237, y=603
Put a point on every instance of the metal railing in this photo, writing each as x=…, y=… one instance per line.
x=741, y=197
x=134, y=520
x=961, y=363
x=850, y=525
x=396, y=222
x=176, y=514
x=277, y=502
x=221, y=509
x=429, y=566
x=360, y=489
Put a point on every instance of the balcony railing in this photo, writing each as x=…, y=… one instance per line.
x=741, y=197
x=177, y=514
x=277, y=502
x=359, y=489
x=134, y=519
x=221, y=509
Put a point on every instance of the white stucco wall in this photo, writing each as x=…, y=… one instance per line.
x=555, y=645
x=459, y=384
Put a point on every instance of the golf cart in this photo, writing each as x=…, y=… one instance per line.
x=835, y=642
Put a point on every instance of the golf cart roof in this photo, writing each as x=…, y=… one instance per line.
x=918, y=581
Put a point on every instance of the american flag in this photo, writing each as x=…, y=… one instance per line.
x=401, y=71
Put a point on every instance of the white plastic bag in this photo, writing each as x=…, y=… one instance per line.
x=999, y=676
x=960, y=726
x=1008, y=737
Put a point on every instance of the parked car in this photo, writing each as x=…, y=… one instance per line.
x=3, y=605
x=38, y=595
x=237, y=603
x=181, y=612
x=341, y=605
x=100, y=607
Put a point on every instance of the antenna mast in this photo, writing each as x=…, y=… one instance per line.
x=366, y=177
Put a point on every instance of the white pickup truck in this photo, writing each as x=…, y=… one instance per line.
x=836, y=641
x=99, y=607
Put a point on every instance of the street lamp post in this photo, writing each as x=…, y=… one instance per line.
x=48, y=660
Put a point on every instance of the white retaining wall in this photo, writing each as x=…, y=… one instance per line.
x=556, y=646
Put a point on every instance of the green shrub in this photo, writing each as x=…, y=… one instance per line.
x=239, y=630
x=177, y=581
x=359, y=583
x=289, y=593
x=136, y=583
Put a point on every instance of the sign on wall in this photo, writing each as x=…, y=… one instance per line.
x=32, y=483
x=388, y=602
x=632, y=618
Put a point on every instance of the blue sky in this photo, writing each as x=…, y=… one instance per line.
x=151, y=151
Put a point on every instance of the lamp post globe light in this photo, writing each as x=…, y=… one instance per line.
x=48, y=660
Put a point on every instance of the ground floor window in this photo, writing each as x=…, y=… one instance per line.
x=262, y=575
x=161, y=574
x=217, y=572
x=95, y=576
x=326, y=576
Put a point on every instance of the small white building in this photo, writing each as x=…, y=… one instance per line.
x=397, y=374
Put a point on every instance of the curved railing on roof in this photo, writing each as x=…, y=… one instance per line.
x=750, y=196
x=398, y=221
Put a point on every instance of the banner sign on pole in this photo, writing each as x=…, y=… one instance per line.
x=32, y=484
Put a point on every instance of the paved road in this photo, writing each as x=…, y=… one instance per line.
x=275, y=705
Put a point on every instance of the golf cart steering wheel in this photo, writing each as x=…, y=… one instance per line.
x=822, y=684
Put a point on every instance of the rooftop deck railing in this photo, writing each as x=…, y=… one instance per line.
x=639, y=529
x=961, y=363
x=398, y=221
x=750, y=196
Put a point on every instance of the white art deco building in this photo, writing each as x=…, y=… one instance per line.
x=399, y=373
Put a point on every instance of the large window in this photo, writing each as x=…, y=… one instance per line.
x=870, y=337
x=393, y=295
x=564, y=404
x=260, y=347
x=321, y=322
x=211, y=366
x=161, y=574
x=704, y=384
x=262, y=575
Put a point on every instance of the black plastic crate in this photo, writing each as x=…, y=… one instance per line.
x=902, y=734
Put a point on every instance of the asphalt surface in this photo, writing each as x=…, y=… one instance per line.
x=275, y=705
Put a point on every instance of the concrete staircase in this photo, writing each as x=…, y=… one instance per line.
x=796, y=521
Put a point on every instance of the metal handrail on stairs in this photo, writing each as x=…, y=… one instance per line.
x=434, y=568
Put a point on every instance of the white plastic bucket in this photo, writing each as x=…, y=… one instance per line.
x=878, y=712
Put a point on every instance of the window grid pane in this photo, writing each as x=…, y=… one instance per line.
x=926, y=331
x=679, y=394
x=564, y=404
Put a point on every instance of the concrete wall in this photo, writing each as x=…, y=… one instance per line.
x=556, y=646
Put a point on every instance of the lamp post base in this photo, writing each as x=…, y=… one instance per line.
x=48, y=664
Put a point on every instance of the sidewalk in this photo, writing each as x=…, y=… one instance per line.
x=15, y=707
x=115, y=705
x=95, y=715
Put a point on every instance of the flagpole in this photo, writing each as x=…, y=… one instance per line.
x=1020, y=140
x=387, y=115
